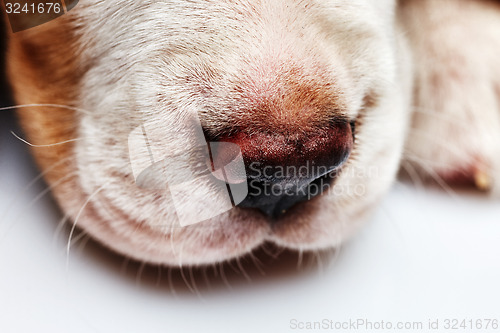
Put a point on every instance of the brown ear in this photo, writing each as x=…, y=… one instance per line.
x=26, y=14
x=43, y=67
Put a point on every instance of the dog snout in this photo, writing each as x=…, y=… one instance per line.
x=283, y=169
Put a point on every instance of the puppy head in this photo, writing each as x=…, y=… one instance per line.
x=307, y=89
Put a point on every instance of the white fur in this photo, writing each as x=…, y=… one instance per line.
x=456, y=124
x=139, y=56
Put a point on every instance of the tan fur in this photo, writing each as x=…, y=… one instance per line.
x=278, y=67
x=44, y=69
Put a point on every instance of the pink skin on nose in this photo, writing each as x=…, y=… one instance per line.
x=327, y=148
x=292, y=114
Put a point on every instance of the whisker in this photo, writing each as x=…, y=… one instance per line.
x=310, y=261
x=193, y=283
x=35, y=200
x=159, y=276
x=215, y=269
x=60, y=226
x=257, y=263
x=319, y=261
x=184, y=278
x=85, y=238
x=89, y=199
x=44, y=146
x=204, y=272
x=57, y=106
x=427, y=164
x=488, y=132
x=441, y=182
x=223, y=276
x=138, y=277
x=30, y=184
x=420, y=162
x=334, y=253
x=444, y=144
x=339, y=244
x=52, y=186
x=172, y=235
x=413, y=174
x=171, y=282
x=124, y=266
x=300, y=258
x=272, y=255
x=242, y=270
x=230, y=264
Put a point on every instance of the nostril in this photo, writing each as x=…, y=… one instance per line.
x=283, y=169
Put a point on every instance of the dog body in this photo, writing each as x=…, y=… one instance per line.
x=279, y=69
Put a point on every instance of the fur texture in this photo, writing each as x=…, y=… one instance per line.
x=124, y=63
x=456, y=121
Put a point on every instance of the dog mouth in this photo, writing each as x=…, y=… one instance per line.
x=282, y=180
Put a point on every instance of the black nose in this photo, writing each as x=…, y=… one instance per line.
x=275, y=195
x=285, y=169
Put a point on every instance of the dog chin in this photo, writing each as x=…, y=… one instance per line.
x=322, y=223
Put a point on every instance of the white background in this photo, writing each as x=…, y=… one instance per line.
x=426, y=254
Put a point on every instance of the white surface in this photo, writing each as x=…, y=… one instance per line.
x=425, y=255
